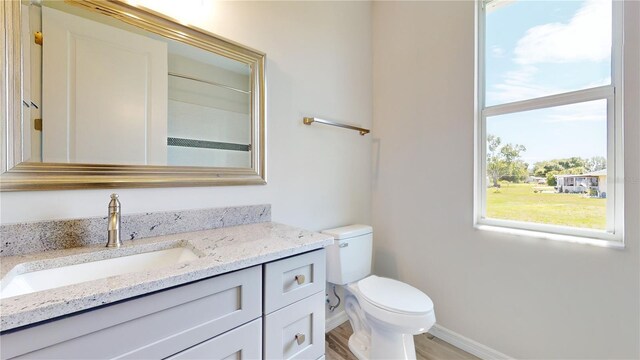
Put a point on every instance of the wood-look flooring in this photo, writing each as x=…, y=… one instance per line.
x=427, y=346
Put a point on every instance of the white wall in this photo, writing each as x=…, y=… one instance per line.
x=318, y=64
x=524, y=297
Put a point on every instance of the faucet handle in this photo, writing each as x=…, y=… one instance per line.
x=114, y=203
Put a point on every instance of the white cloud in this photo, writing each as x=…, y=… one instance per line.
x=592, y=111
x=497, y=51
x=559, y=118
x=586, y=37
x=519, y=85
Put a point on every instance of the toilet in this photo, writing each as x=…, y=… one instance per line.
x=384, y=313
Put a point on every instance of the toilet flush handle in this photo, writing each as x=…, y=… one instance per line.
x=300, y=279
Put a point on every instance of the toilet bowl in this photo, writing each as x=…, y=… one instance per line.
x=384, y=313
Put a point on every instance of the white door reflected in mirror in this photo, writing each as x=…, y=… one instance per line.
x=116, y=94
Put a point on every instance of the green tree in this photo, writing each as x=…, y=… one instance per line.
x=542, y=168
x=573, y=165
x=596, y=163
x=573, y=162
x=503, y=161
x=551, y=179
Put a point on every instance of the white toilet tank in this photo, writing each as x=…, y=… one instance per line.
x=349, y=257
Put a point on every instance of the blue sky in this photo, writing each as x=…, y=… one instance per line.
x=539, y=48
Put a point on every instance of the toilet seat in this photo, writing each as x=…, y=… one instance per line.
x=393, y=305
x=394, y=296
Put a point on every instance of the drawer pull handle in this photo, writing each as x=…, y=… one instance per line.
x=300, y=338
x=300, y=281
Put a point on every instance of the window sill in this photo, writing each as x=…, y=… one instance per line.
x=612, y=244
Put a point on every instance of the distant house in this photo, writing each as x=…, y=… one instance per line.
x=537, y=180
x=583, y=183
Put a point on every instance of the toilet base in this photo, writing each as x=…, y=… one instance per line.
x=372, y=339
x=391, y=345
x=360, y=340
x=358, y=348
x=384, y=345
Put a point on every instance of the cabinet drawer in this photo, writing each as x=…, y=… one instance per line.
x=244, y=342
x=289, y=280
x=296, y=331
x=151, y=326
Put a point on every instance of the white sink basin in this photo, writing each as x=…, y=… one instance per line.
x=73, y=274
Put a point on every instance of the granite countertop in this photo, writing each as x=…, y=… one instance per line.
x=220, y=251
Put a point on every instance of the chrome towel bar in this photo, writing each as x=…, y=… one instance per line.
x=311, y=120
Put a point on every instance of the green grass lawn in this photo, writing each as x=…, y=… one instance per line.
x=519, y=202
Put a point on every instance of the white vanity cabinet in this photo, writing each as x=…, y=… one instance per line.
x=152, y=326
x=244, y=342
x=294, y=299
x=227, y=316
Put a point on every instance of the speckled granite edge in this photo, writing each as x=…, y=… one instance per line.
x=220, y=251
x=27, y=238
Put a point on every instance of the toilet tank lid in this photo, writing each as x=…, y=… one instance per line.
x=349, y=231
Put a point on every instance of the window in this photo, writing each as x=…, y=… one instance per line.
x=549, y=120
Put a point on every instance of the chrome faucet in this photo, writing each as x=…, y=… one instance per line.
x=114, y=222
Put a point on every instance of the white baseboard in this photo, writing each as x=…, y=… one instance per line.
x=466, y=344
x=335, y=320
x=444, y=334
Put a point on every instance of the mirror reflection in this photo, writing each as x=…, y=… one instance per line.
x=100, y=91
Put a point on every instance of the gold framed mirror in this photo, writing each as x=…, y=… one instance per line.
x=148, y=102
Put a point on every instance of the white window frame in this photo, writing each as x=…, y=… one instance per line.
x=613, y=235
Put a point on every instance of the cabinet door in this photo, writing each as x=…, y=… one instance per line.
x=244, y=342
x=153, y=326
x=289, y=280
x=296, y=331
